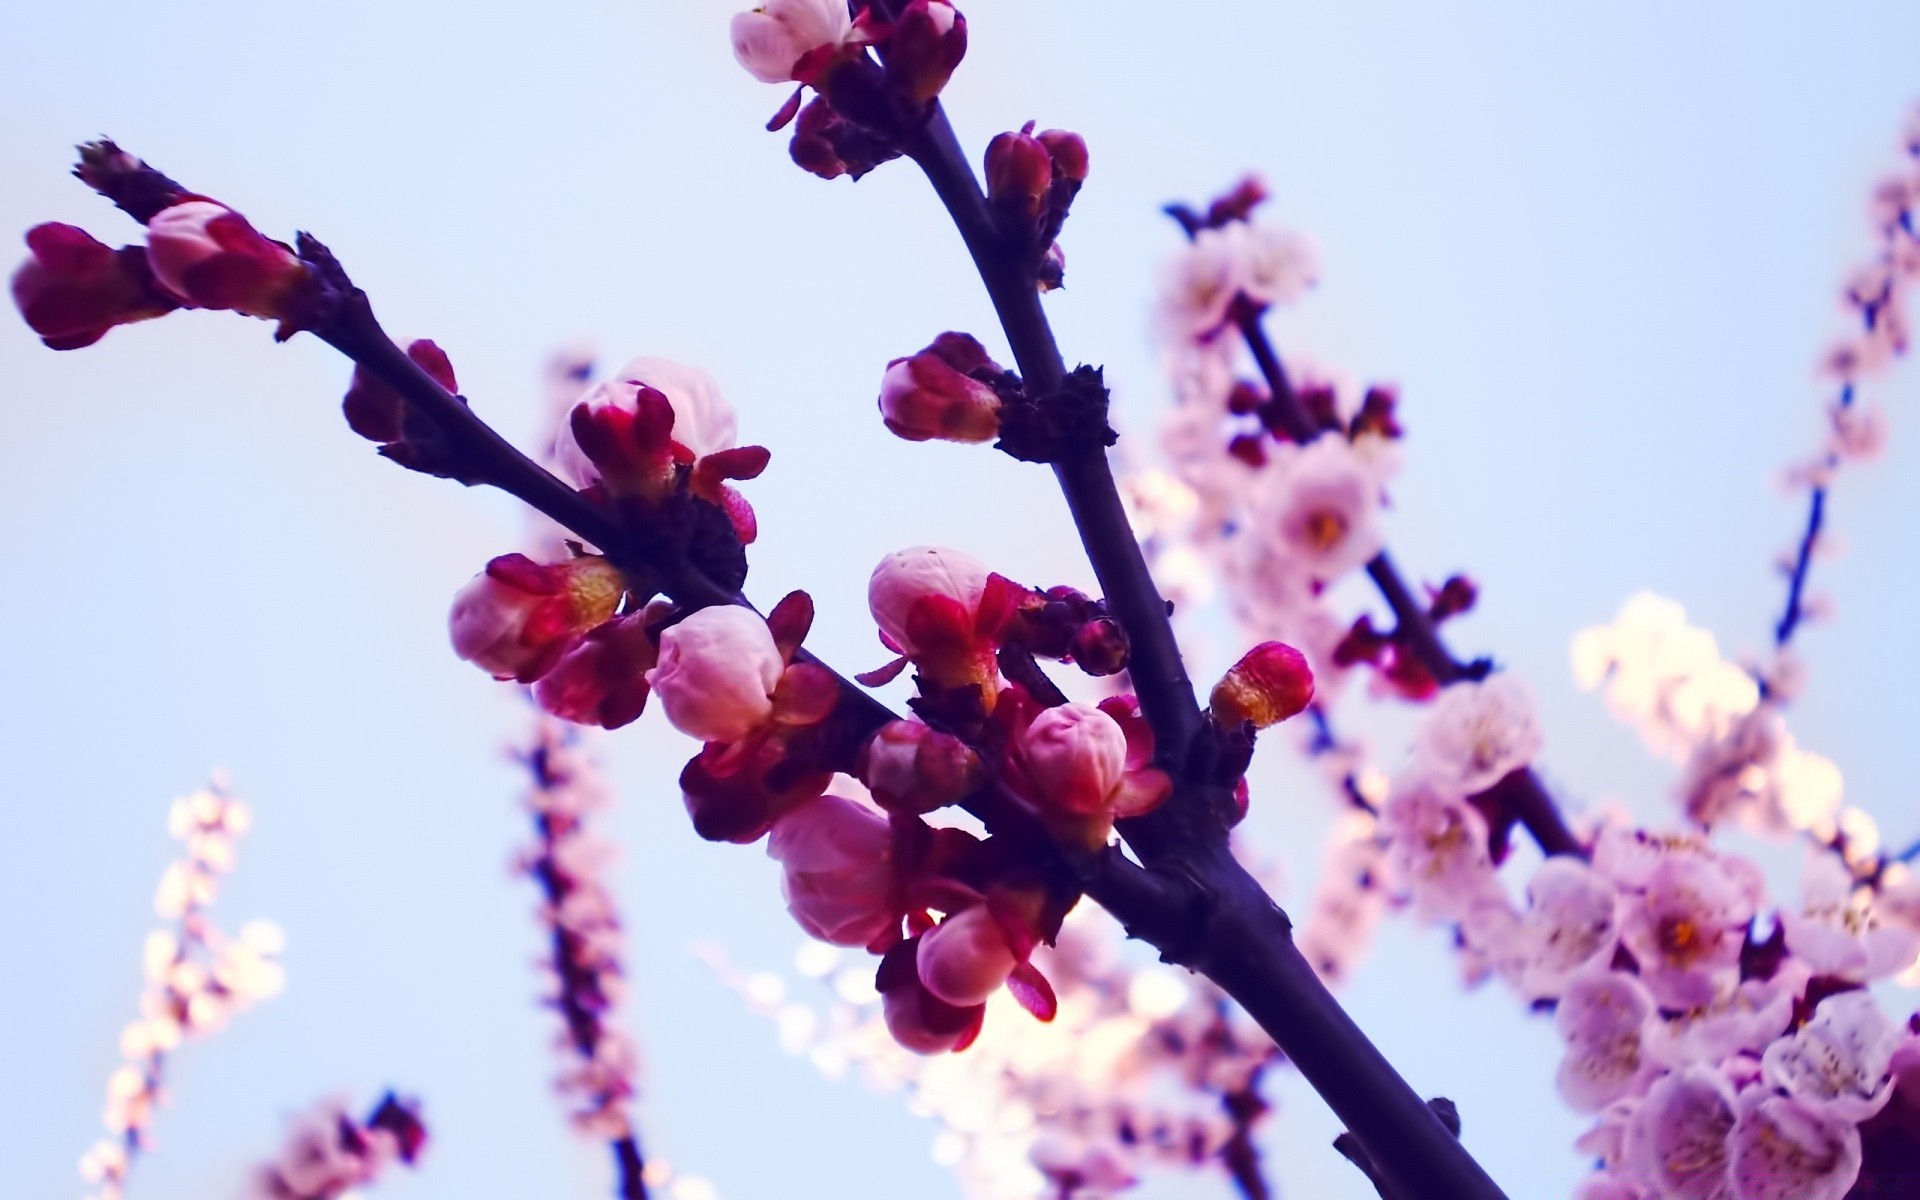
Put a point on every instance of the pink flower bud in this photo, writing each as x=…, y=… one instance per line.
x=839, y=881
x=718, y=669
x=73, y=288
x=517, y=617
x=695, y=416
x=926, y=596
x=783, y=41
x=209, y=256
x=1068, y=152
x=1019, y=171
x=913, y=768
x=1074, y=756
x=919, y=1020
x=966, y=958
x=929, y=40
x=933, y=395
x=378, y=413
x=602, y=678
x=1270, y=683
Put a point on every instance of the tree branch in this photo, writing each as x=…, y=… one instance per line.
x=1196, y=903
x=1532, y=805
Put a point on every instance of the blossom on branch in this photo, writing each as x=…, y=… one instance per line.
x=211, y=257
x=330, y=1154
x=1477, y=733
x=73, y=289
x=516, y=618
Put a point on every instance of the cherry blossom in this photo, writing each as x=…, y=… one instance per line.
x=1438, y=847
x=1570, y=926
x=839, y=878
x=702, y=420
x=1477, y=733
x=1840, y=933
x=1784, y=1150
x=1316, y=514
x=516, y=618
x=1686, y=922
x=1679, y=1137
x=1839, y=1064
x=1602, y=1015
x=786, y=40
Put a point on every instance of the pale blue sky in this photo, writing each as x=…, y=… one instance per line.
x=1597, y=245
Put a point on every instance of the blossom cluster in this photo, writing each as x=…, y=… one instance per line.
x=584, y=963
x=330, y=1154
x=1142, y=1069
x=197, y=978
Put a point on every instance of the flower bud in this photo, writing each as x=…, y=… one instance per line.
x=517, y=617
x=376, y=411
x=1019, y=171
x=828, y=145
x=926, y=596
x=917, y=1019
x=1068, y=153
x=717, y=672
x=929, y=40
x=932, y=394
x=966, y=958
x=602, y=678
x=1270, y=683
x=1100, y=647
x=1074, y=756
x=785, y=41
x=839, y=881
x=911, y=767
x=73, y=288
x=209, y=256
x=629, y=428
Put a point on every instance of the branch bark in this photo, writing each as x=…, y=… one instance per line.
x=1195, y=902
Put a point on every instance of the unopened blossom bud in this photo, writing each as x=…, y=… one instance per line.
x=697, y=418
x=917, y=1019
x=839, y=880
x=929, y=40
x=209, y=256
x=933, y=395
x=910, y=767
x=73, y=288
x=926, y=595
x=375, y=410
x=517, y=617
x=1019, y=171
x=1100, y=647
x=717, y=672
x=783, y=41
x=1068, y=152
x=1270, y=683
x=1075, y=756
x=966, y=958
x=828, y=145
x=1457, y=595
x=602, y=678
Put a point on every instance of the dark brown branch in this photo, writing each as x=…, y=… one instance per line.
x=1241, y=1155
x=1196, y=903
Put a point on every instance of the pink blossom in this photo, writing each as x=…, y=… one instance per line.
x=1679, y=1136
x=1686, y=926
x=1278, y=266
x=1570, y=925
x=1743, y=1021
x=1784, y=1150
x=935, y=395
x=1438, y=847
x=1198, y=285
x=1316, y=513
x=209, y=256
x=839, y=880
x=1605, y=1185
x=1839, y=932
x=516, y=618
x=777, y=41
x=717, y=672
x=1602, y=1015
x=1078, y=1166
x=919, y=1020
x=1839, y=1064
x=703, y=422
x=1477, y=733
x=966, y=958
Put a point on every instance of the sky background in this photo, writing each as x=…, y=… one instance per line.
x=1598, y=246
